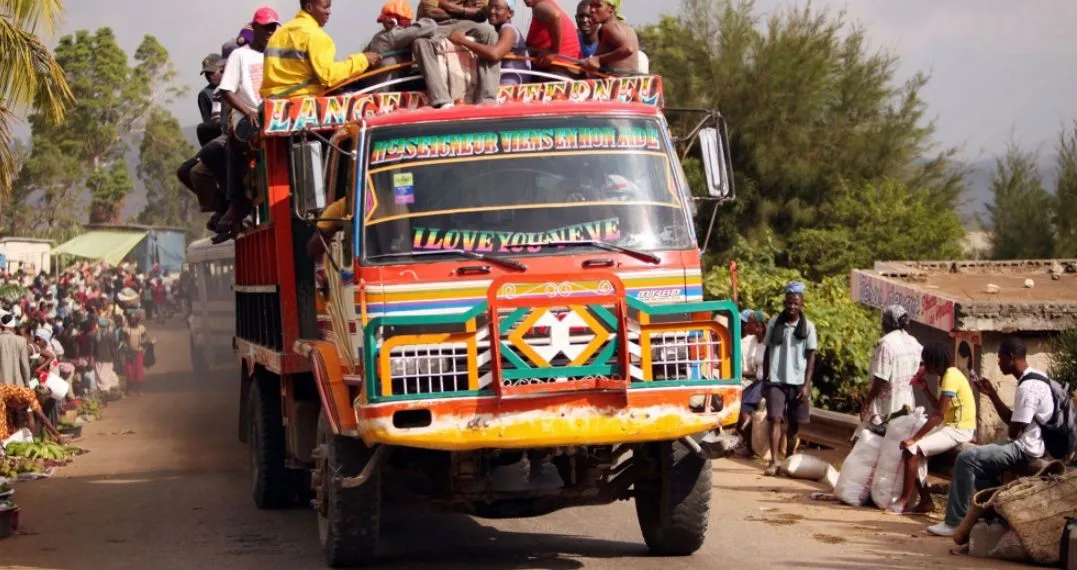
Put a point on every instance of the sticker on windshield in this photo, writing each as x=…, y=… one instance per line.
x=404, y=188
x=489, y=241
x=462, y=145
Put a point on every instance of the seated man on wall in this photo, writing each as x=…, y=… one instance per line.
x=1033, y=406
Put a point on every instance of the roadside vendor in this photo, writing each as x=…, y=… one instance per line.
x=14, y=399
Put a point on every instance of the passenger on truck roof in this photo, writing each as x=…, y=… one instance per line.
x=552, y=34
x=301, y=57
x=450, y=11
x=430, y=52
x=241, y=88
x=399, y=31
x=510, y=40
x=618, y=45
x=588, y=31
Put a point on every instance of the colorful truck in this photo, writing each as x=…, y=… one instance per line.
x=510, y=322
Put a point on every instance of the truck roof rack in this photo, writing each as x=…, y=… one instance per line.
x=359, y=97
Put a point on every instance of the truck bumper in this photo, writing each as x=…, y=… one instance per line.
x=596, y=418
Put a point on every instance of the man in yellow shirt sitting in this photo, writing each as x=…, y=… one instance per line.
x=301, y=57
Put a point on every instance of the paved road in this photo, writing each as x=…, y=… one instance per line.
x=165, y=486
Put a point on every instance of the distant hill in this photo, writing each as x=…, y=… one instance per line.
x=978, y=192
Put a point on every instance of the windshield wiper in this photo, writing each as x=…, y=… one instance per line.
x=641, y=255
x=510, y=263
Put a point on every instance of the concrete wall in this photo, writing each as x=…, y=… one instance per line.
x=991, y=427
x=29, y=255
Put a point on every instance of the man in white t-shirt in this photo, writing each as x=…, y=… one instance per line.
x=240, y=88
x=1033, y=406
x=893, y=366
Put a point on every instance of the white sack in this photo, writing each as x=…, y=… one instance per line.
x=889, y=475
x=803, y=466
x=858, y=470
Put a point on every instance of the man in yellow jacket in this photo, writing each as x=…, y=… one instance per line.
x=300, y=57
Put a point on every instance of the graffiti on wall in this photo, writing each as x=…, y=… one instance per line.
x=923, y=307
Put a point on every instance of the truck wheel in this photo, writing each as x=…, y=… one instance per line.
x=273, y=485
x=349, y=520
x=673, y=499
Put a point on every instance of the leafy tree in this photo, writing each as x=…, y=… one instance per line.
x=1063, y=351
x=163, y=148
x=29, y=75
x=847, y=330
x=114, y=103
x=1018, y=216
x=1066, y=193
x=811, y=106
x=885, y=220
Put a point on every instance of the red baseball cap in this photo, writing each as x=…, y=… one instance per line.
x=266, y=15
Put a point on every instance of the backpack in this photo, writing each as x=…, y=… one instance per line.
x=1059, y=432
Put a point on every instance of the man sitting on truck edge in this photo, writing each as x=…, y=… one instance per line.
x=618, y=45
x=300, y=56
x=241, y=88
x=452, y=11
x=399, y=31
x=510, y=40
x=1033, y=405
x=427, y=50
x=551, y=35
x=588, y=30
x=788, y=363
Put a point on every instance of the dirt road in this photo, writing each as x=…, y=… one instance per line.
x=165, y=487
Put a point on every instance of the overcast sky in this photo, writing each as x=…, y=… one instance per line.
x=1000, y=69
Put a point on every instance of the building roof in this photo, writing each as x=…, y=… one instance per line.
x=133, y=228
x=25, y=240
x=975, y=295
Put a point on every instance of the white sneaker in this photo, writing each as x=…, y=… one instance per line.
x=942, y=529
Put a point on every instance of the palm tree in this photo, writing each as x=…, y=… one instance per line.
x=30, y=78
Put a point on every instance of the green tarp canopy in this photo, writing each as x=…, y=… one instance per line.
x=108, y=246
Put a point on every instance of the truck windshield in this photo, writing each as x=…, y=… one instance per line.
x=505, y=186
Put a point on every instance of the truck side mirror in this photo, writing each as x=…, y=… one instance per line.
x=716, y=164
x=308, y=176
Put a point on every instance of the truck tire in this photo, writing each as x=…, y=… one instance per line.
x=273, y=485
x=349, y=520
x=673, y=499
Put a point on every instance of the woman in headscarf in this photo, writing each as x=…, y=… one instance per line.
x=105, y=356
x=894, y=366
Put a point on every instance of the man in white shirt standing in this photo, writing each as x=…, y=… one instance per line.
x=894, y=365
x=240, y=88
x=1033, y=406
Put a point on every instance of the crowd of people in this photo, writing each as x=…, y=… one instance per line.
x=79, y=334
x=778, y=356
x=269, y=58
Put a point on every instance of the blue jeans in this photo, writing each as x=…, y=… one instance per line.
x=982, y=464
